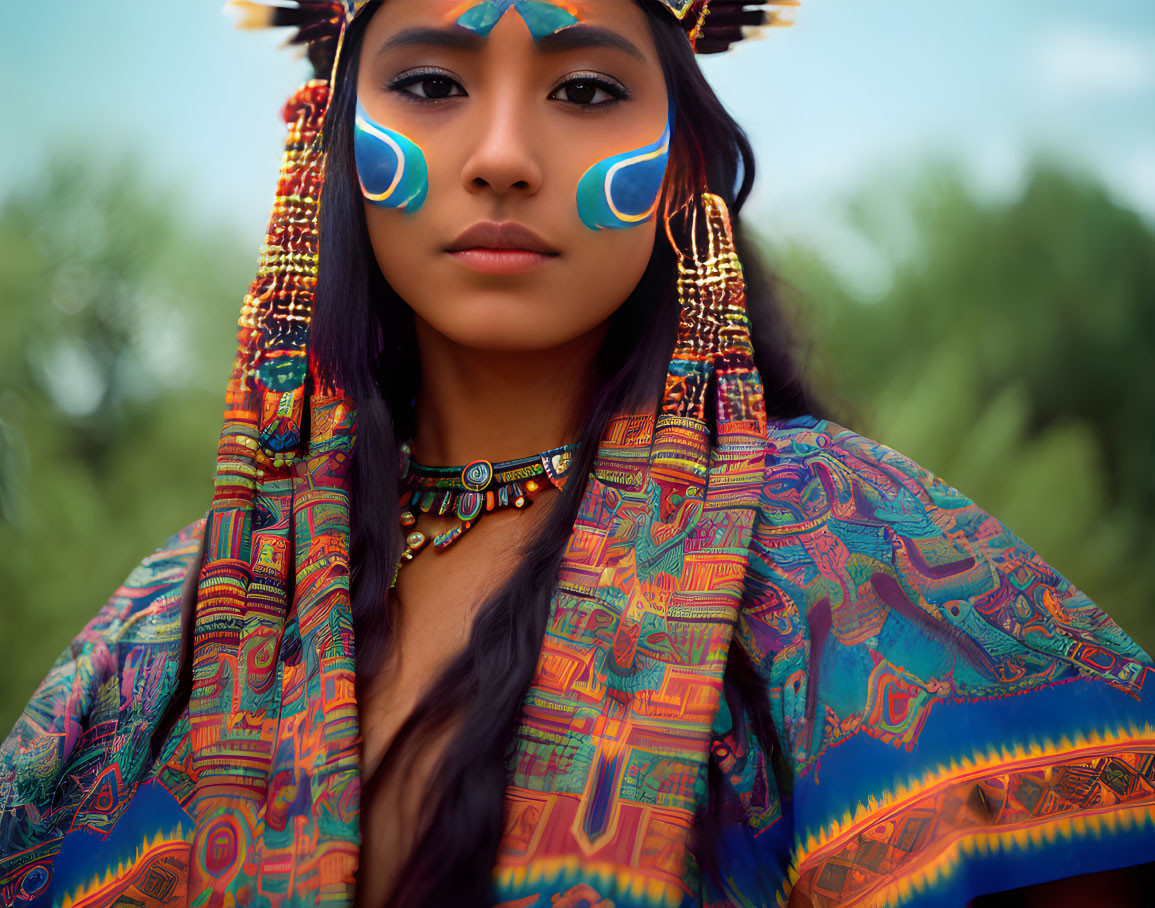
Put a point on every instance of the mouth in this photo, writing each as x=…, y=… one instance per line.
x=501, y=248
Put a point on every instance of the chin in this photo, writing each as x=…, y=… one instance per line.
x=502, y=335
x=522, y=321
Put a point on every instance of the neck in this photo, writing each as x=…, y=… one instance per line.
x=498, y=405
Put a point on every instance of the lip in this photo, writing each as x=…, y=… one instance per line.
x=501, y=261
x=504, y=235
x=504, y=247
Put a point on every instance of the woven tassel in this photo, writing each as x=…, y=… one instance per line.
x=713, y=347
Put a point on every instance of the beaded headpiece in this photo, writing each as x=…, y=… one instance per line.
x=273, y=596
x=712, y=26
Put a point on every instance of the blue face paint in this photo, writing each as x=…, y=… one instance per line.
x=544, y=18
x=391, y=168
x=622, y=191
x=540, y=18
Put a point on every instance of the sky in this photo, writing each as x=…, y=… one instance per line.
x=854, y=93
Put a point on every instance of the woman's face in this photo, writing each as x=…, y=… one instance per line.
x=494, y=112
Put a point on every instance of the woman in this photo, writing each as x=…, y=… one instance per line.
x=734, y=653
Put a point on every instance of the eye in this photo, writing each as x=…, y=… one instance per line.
x=583, y=88
x=435, y=85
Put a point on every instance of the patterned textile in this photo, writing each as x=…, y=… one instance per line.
x=954, y=715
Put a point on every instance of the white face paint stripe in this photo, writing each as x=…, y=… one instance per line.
x=376, y=132
x=649, y=156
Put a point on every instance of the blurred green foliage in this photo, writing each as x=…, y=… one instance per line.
x=1012, y=355
x=119, y=324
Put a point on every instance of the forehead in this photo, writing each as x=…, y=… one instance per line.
x=538, y=19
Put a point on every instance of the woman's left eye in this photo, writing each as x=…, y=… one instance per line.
x=582, y=90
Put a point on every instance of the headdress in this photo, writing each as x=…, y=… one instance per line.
x=712, y=26
x=273, y=714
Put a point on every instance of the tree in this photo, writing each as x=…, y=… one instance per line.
x=119, y=335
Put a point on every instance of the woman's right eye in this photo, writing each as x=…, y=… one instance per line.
x=433, y=86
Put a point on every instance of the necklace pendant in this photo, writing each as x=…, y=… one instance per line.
x=449, y=537
x=477, y=476
x=469, y=506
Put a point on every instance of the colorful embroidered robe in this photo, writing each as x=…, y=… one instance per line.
x=953, y=716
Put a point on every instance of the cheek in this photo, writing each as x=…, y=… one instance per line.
x=622, y=191
x=390, y=167
x=599, y=278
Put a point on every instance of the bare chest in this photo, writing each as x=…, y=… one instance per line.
x=432, y=627
x=433, y=607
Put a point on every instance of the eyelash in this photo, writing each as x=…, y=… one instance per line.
x=616, y=91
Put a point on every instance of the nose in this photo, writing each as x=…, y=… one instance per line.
x=502, y=155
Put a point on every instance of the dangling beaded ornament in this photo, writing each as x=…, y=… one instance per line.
x=470, y=491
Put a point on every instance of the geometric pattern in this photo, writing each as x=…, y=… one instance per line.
x=1022, y=748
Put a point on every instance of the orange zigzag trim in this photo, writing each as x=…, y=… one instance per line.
x=934, y=789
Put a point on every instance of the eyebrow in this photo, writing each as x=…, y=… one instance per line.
x=579, y=37
x=453, y=37
x=572, y=37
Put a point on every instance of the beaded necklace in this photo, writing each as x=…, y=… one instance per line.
x=472, y=490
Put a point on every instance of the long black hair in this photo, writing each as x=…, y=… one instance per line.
x=363, y=341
